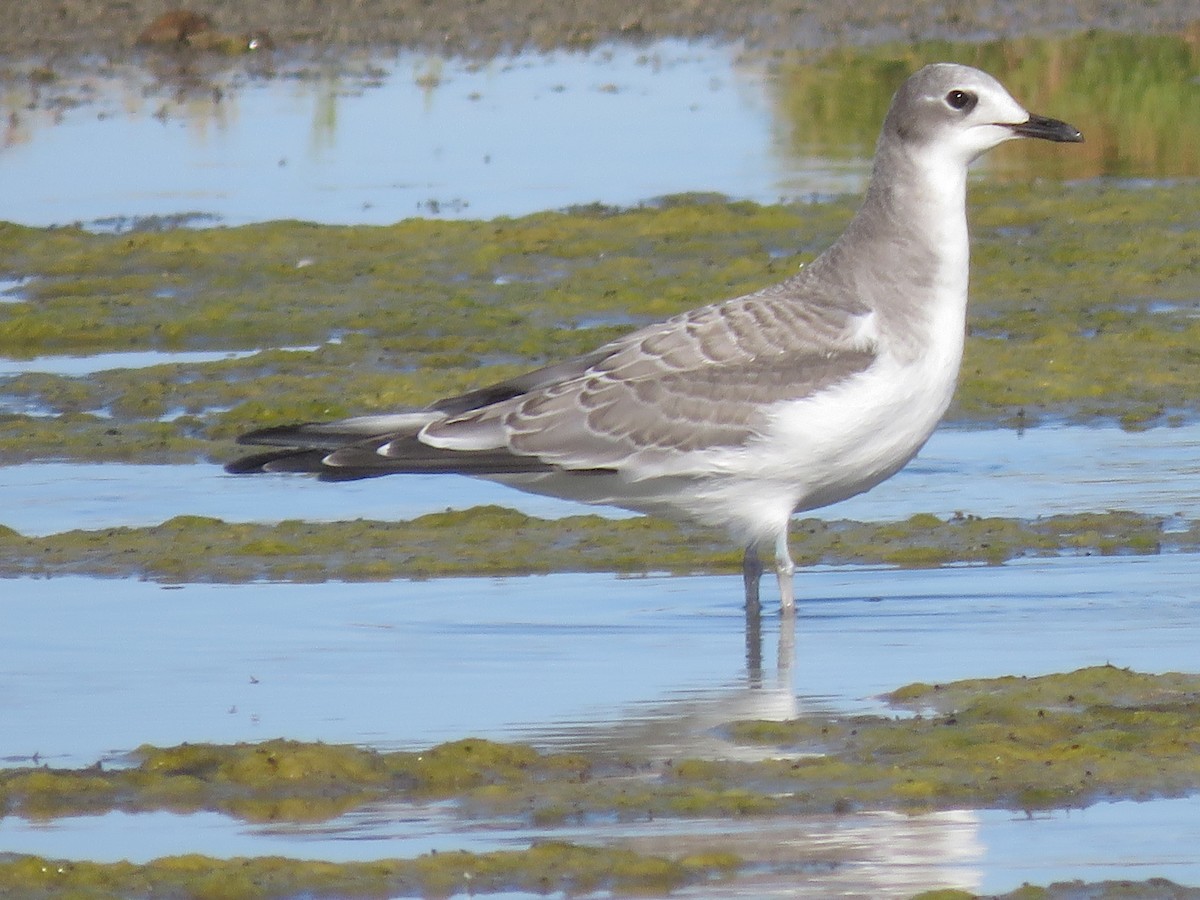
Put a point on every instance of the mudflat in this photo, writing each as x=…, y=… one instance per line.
x=108, y=28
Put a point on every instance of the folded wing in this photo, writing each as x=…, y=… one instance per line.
x=652, y=402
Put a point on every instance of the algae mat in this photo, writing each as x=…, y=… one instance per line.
x=492, y=540
x=1064, y=277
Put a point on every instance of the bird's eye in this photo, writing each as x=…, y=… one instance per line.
x=961, y=100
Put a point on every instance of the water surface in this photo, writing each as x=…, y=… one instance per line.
x=985, y=472
x=382, y=137
x=93, y=668
x=415, y=135
x=89, y=669
x=877, y=854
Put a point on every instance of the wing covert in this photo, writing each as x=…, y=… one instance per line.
x=705, y=380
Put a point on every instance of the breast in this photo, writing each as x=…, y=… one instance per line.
x=854, y=436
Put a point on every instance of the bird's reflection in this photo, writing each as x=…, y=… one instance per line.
x=693, y=722
x=786, y=656
x=877, y=854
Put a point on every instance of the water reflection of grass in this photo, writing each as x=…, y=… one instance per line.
x=1135, y=97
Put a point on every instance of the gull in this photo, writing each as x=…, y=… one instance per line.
x=741, y=413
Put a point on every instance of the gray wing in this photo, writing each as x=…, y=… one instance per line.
x=701, y=381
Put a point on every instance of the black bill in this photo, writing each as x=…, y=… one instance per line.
x=1048, y=130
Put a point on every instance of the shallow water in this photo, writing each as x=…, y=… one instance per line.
x=1042, y=471
x=10, y=289
x=91, y=669
x=582, y=661
x=382, y=137
x=890, y=855
x=415, y=135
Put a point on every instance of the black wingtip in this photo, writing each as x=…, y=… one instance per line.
x=275, y=435
x=295, y=460
x=248, y=465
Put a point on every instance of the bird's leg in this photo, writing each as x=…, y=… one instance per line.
x=784, y=569
x=752, y=569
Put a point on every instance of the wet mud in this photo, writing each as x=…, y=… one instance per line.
x=80, y=28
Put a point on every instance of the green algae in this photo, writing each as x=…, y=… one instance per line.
x=1068, y=328
x=548, y=867
x=280, y=779
x=1019, y=743
x=225, y=288
x=1064, y=740
x=491, y=540
x=545, y=867
x=1086, y=687
x=1055, y=741
x=82, y=436
x=1064, y=275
